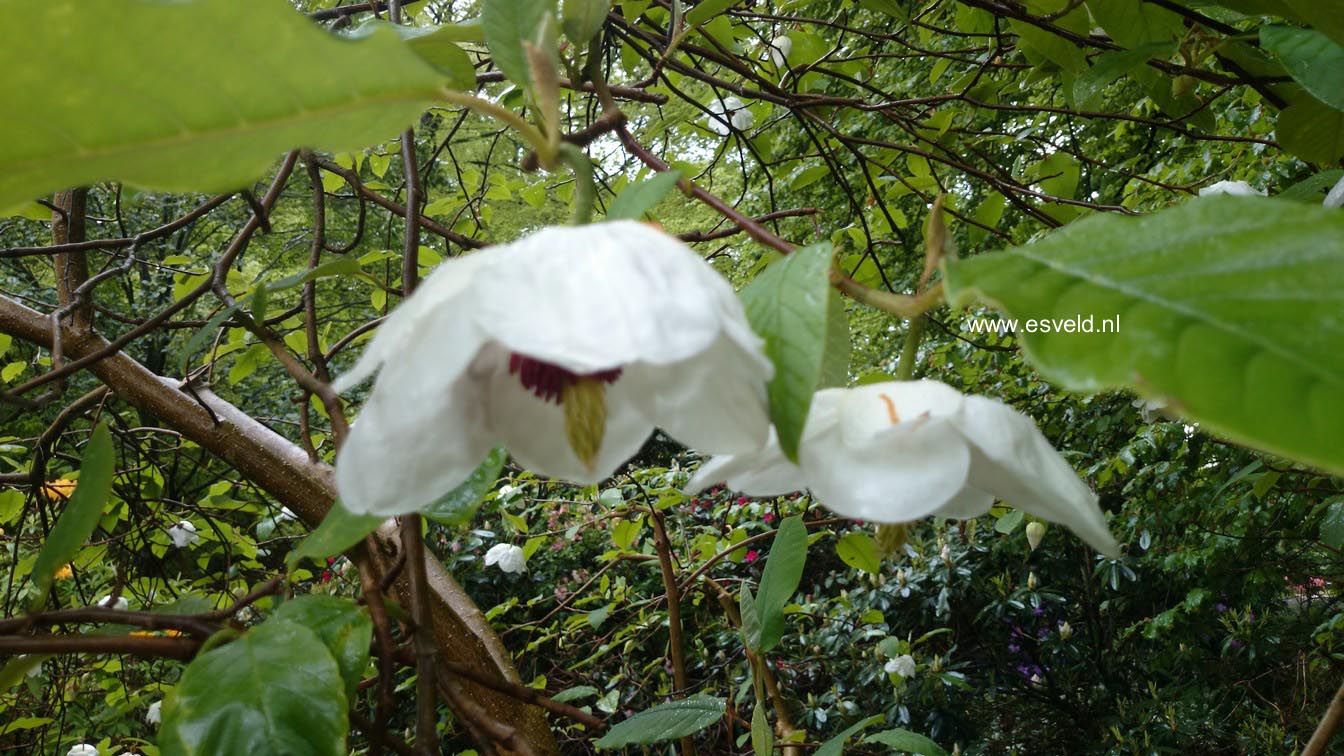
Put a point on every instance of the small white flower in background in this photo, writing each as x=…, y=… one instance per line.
x=509, y=557
x=183, y=534
x=1149, y=409
x=155, y=713
x=505, y=491
x=903, y=665
x=729, y=112
x=568, y=347
x=120, y=604
x=900, y=451
x=780, y=47
x=286, y=515
x=1335, y=197
x=1035, y=533
x=82, y=749
x=1065, y=631
x=1234, y=188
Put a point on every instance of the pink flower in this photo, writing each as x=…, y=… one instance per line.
x=741, y=500
x=768, y=517
x=752, y=555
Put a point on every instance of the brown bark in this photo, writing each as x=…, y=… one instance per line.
x=284, y=470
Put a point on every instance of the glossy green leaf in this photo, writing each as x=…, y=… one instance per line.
x=507, y=24
x=637, y=199
x=1212, y=296
x=1312, y=130
x=1332, y=525
x=751, y=617
x=1314, y=60
x=779, y=581
x=1325, y=16
x=1311, y=189
x=223, y=89
x=81, y=514
x=344, y=627
x=274, y=690
x=706, y=10
x=461, y=503
x=860, y=551
x=583, y=19
x=339, y=530
x=836, y=353
x=1134, y=24
x=1107, y=68
x=438, y=47
x=674, y=719
x=904, y=741
x=762, y=736
x=788, y=305
x=836, y=745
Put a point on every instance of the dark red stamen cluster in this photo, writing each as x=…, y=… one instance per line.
x=548, y=381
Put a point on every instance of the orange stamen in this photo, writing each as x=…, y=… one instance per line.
x=891, y=409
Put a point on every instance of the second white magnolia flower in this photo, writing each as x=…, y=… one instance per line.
x=567, y=346
x=900, y=451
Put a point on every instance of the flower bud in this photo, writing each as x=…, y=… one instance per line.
x=1032, y=582
x=1035, y=532
x=1065, y=631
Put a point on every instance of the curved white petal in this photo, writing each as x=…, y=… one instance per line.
x=766, y=472
x=591, y=298
x=743, y=119
x=1014, y=461
x=533, y=430
x=411, y=443
x=866, y=411
x=714, y=402
x=1335, y=197
x=906, y=472
x=969, y=503
x=430, y=310
x=1234, y=188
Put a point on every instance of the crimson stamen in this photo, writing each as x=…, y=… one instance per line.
x=548, y=381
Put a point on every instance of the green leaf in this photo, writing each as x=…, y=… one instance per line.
x=1327, y=17
x=339, y=530
x=708, y=9
x=637, y=199
x=11, y=503
x=762, y=737
x=1311, y=189
x=461, y=503
x=788, y=305
x=1009, y=521
x=1313, y=60
x=222, y=89
x=751, y=618
x=438, y=47
x=860, y=551
x=779, y=581
x=836, y=353
x=275, y=690
x=1213, y=295
x=345, y=629
x=82, y=512
x=669, y=721
x=1332, y=525
x=507, y=24
x=905, y=741
x=583, y=19
x=1109, y=66
x=836, y=745
x=1135, y=24
x=1312, y=130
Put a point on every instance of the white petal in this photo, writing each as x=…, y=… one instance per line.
x=1234, y=188
x=1015, y=462
x=533, y=430
x=969, y=503
x=426, y=320
x=1335, y=197
x=714, y=402
x=866, y=411
x=591, y=298
x=409, y=447
x=766, y=472
x=494, y=553
x=904, y=473
x=732, y=103
x=743, y=119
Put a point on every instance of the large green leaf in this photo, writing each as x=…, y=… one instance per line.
x=637, y=199
x=904, y=741
x=779, y=580
x=81, y=514
x=1324, y=15
x=339, y=530
x=674, y=719
x=507, y=24
x=836, y=745
x=788, y=304
x=462, y=502
x=1229, y=307
x=1134, y=24
x=1312, y=130
x=215, y=85
x=345, y=629
x=1313, y=59
x=275, y=690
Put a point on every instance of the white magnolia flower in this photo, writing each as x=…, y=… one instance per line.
x=506, y=490
x=286, y=515
x=729, y=113
x=899, y=451
x=903, y=665
x=82, y=749
x=780, y=47
x=1234, y=188
x=1335, y=197
x=183, y=534
x=120, y=604
x=155, y=713
x=509, y=557
x=568, y=347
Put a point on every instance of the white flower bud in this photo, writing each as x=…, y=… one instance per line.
x=1065, y=631
x=1035, y=532
x=1032, y=582
x=903, y=665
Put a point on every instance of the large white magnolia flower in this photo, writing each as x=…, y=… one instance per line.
x=897, y=452
x=567, y=346
x=183, y=534
x=728, y=114
x=508, y=557
x=82, y=749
